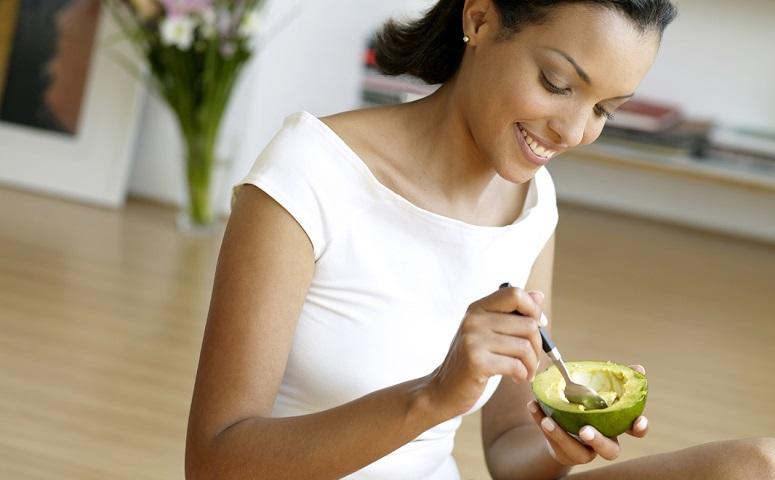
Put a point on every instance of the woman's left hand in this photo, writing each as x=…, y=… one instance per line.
x=568, y=451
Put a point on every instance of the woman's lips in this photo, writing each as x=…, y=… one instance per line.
x=529, y=152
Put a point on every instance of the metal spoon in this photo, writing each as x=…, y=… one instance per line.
x=574, y=392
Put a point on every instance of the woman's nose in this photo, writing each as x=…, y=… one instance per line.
x=570, y=129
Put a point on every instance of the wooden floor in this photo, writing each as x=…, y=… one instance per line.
x=101, y=317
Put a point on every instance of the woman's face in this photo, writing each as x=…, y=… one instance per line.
x=550, y=87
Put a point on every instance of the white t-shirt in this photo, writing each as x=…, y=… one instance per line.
x=391, y=284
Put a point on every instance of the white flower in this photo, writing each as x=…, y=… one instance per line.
x=251, y=24
x=178, y=30
x=208, y=23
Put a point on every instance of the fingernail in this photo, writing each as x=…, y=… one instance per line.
x=539, y=295
x=549, y=447
x=642, y=424
x=531, y=405
x=547, y=424
x=543, y=321
x=587, y=434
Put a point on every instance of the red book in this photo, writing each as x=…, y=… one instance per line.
x=645, y=115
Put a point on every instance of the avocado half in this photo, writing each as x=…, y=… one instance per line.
x=623, y=388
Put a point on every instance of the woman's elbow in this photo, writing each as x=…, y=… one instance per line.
x=199, y=464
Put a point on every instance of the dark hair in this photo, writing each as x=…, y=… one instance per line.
x=431, y=48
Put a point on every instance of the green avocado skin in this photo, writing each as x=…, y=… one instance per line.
x=610, y=423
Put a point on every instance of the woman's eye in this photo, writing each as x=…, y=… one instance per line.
x=602, y=112
x=552, y=87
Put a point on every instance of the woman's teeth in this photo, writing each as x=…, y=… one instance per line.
x=535, y=147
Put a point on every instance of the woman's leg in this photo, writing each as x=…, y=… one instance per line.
x=748, y=459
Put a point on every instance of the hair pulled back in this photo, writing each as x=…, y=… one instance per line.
x=431, y=47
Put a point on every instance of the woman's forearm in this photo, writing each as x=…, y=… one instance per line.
x=324, y=445
x=522, y=453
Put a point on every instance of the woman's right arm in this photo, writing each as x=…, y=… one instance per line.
x=264, y=271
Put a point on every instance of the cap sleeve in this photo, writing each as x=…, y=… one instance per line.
x=289, y=171
x=547, y=204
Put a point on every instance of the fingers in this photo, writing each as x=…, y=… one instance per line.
x=505, y=333
x=639, y=369
x=508, y=366
x=511, y=324
x=519, y=350
x=566, y=449
x=640, y=427
x=517, y=326
x=564, y=445
x=607, y=448
x=510, y=300
x=538, y=297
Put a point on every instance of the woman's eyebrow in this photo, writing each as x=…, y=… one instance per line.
x=580, y=71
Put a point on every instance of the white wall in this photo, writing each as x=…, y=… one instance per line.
x=312, y=63
x=716, y=60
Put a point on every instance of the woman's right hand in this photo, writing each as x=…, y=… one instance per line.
x=498, y=336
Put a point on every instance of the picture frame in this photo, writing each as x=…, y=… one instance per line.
x=92, y=165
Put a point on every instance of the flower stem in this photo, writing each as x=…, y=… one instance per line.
x=200, y=156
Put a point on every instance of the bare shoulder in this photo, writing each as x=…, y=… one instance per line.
x=374, y=135
x=364, y=129
x=363, y=120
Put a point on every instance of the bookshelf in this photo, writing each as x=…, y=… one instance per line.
x=709, y=194
x=742, y=173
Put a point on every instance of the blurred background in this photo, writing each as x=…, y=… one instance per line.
x=665, y=247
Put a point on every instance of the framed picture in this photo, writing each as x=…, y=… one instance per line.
x=68, y=107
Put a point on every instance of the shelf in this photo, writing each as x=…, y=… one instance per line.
x=757, y=174
x=675, y=189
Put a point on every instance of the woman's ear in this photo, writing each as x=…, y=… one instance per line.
x=479, y=19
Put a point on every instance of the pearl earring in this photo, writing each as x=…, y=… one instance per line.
x=466, y=39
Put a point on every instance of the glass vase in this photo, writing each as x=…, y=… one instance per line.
x=198, y=215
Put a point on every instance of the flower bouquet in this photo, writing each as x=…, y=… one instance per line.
x=194, y=50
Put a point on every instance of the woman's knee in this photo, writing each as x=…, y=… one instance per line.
x=752, y=457
x=765, y=452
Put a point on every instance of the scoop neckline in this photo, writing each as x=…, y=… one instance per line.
x=531, y=198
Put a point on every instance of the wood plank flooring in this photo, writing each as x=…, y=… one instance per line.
x=102, y=312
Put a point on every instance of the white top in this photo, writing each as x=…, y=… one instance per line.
x=392, y=282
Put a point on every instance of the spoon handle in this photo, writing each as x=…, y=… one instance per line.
x=546, y=341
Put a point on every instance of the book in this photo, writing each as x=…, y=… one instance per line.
x=645, y=115
x=688, y=136
x=757, y=142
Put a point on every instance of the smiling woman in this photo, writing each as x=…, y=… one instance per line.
x=355, y=314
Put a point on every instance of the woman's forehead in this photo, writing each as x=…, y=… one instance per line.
x=601, y=42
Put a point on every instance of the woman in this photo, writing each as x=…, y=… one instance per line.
x=342, y=338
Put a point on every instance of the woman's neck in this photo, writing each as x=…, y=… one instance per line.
x=447, y=158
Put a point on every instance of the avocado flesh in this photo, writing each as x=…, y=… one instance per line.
x=623, y=388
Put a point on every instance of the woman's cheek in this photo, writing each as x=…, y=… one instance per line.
x=528, y=104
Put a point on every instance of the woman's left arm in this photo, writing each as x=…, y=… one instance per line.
x=513, y=445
